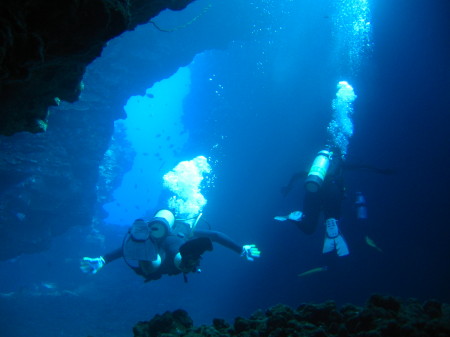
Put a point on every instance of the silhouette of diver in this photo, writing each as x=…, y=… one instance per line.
x=324, y=193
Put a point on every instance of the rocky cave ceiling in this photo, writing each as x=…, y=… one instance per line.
x=46, y=46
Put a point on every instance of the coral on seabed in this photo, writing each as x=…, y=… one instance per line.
x=382, y=316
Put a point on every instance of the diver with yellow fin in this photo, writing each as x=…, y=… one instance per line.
x=166, y=246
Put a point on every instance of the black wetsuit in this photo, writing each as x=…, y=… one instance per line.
x=170, y=246
x=328, y=199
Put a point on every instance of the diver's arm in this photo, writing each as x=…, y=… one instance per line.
x=295, y=177
x=92, y=265
x=114, y=255
x=220, y=238
x=370, y=168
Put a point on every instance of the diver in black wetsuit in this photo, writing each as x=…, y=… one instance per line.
x=163, y=246
x=324, y=194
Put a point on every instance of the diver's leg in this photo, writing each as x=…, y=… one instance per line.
x=312, y=207
x=332, y=201
x=333, y=195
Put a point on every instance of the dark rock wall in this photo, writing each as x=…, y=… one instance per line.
x=45, y=47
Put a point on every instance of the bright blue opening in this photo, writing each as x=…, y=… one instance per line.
x=156, y=133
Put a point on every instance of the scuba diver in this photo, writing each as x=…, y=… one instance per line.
x=324, y=194
x=166, y=246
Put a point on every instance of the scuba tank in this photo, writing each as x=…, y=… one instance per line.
x=361, y=206
x=318, y=171
x=161, y=224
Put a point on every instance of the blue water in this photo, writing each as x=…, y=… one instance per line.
x=258, y=109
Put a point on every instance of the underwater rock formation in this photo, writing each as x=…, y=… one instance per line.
x=382, y=316
x=45, y=47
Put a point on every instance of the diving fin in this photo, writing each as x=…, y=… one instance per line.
x=341, y=246
x=334, y=239
x=328, y=245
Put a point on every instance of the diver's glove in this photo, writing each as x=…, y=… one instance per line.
x=250, y=252
x=295, y=216
x=92, y=265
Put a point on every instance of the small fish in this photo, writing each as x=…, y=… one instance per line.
x=48, y=285
x=372, y=244
x=6, y=295
x=313, y=271
x=14, y=259
x=69, y=292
